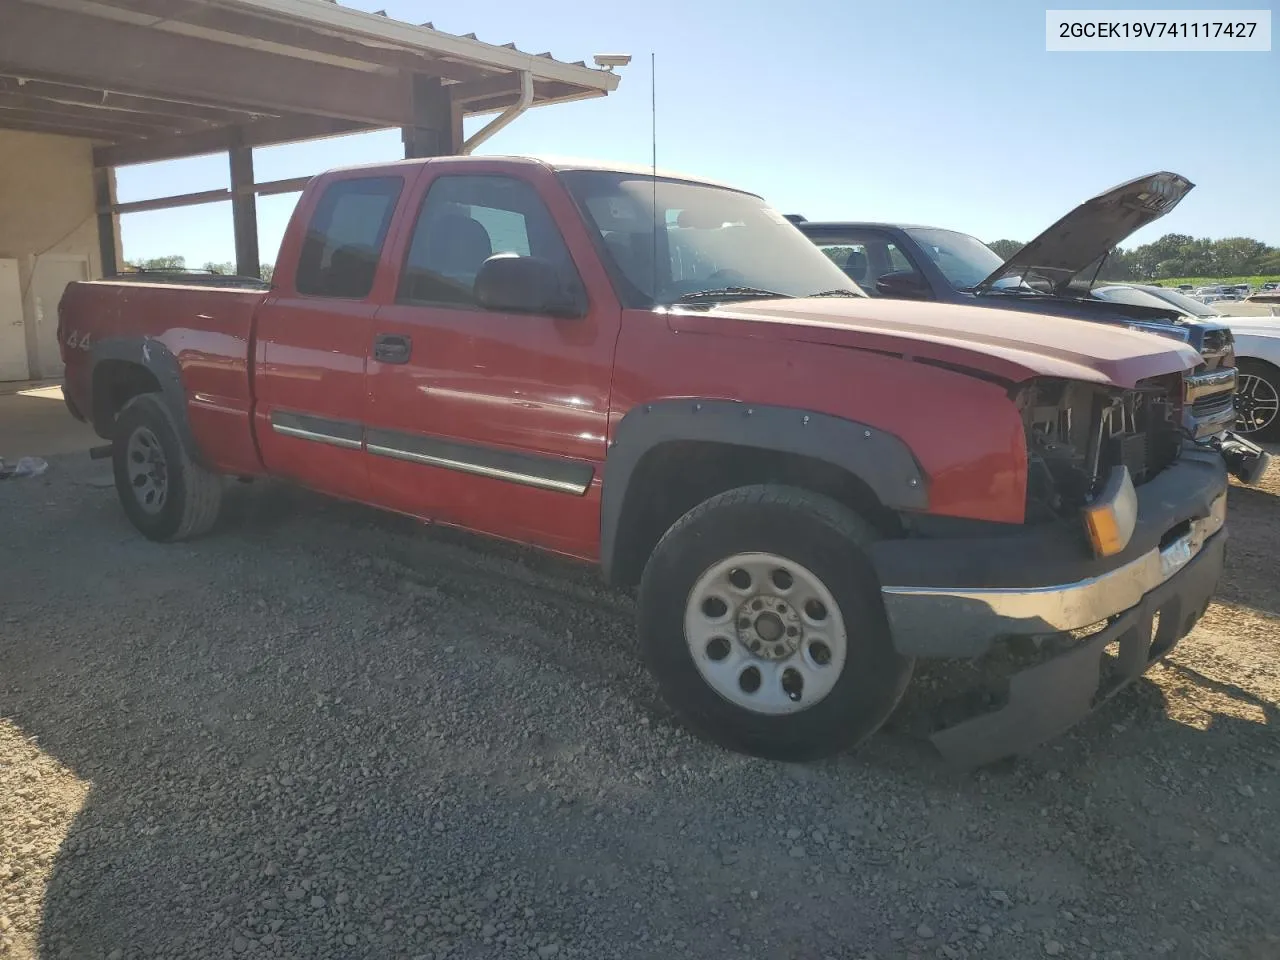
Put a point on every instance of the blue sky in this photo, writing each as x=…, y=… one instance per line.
x=929, y=111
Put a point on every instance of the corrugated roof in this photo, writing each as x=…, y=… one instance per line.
x=187, y=73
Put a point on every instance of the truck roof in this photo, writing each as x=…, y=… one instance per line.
x=557, y=163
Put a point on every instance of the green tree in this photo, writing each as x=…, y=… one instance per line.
x=1197, y=258
x=1004, y=249
x=1148, y=257
x=1237, y=256
x=160, y=263
x=1118, y=266
x=228, y=269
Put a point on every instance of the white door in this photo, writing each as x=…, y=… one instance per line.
x=51, y=274
x=13, y=333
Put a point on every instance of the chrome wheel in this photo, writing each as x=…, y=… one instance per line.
x=147, y=469
x=1257, y=403
x=765, y=633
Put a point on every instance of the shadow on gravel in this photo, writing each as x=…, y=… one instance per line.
x=325, y=733
x=1254, y=524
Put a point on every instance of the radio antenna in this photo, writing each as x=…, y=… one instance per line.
x=653, y=135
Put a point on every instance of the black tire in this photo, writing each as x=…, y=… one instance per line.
x=1270, y=381
x=192, y=495
x=812, y=531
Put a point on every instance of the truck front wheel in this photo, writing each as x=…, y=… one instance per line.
x=761, y=620
x=164, y=493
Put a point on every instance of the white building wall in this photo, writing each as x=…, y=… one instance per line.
x=48, y=227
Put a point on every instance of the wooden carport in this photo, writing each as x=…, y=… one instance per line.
x=150, y=80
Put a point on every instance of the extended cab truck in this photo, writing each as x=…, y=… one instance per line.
x=810, y=488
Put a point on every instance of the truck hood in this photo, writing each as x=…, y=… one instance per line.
x=1008, y=345
x=1085, y=235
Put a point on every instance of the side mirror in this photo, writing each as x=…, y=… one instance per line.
x=903, y=285
x=510, y=282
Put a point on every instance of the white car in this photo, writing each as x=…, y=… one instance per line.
x=1257, y=345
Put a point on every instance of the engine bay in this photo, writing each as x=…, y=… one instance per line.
x=1077, y=432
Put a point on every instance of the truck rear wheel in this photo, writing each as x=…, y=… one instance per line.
x=760, y=618
x=164, y=493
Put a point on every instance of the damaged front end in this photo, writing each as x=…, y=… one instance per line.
x=1080, y=434
x=1121, y=550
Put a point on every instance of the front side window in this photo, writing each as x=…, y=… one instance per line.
x=345, y=236
x=664, y=240
x=463, y=222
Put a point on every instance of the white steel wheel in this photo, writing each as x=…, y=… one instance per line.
x=760, y=618
x=765, y=633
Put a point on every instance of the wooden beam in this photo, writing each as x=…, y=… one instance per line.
x=168, y=203
x=111, y=102
x=505, y=85
x=431, y=133
x=263, y=133
x=244, y=211
x=272, y=187
x=123, y=56
x=494, y=104
x=105, y=197
x=221, y=195
x=61, y=129
x=133, y=124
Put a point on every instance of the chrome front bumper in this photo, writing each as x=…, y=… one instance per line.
x=1014, y=606
x=972, y=618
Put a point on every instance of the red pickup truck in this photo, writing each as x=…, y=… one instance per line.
x=810, y=488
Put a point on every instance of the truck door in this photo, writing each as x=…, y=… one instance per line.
x=313, y=336
x=490, y=420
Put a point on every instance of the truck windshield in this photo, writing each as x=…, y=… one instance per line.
x=708, y=239
x=964, y=260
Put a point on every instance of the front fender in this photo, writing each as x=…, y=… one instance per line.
x=1251, y=346
x=881, y=460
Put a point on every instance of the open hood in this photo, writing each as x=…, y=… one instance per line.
x=1084, y=236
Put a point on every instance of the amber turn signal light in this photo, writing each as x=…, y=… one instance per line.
x=1113, y=515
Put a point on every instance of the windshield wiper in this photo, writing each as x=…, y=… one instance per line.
x=723, y=293
x=1004, y=291
x=838, y=293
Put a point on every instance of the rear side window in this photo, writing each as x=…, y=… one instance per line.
x=344, y=239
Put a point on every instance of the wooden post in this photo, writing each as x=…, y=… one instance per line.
x=436, y=130
x=244, y=210
x=104, y=197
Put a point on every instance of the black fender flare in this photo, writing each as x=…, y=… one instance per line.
x=158, y=360
x=881, y=460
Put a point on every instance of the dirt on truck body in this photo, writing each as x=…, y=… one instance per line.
x=809, y=488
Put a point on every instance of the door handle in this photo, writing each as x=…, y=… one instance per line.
x=392, y=348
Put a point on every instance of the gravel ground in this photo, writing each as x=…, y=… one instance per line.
x=323, y=732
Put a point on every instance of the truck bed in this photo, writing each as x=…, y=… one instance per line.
x=194, y=336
